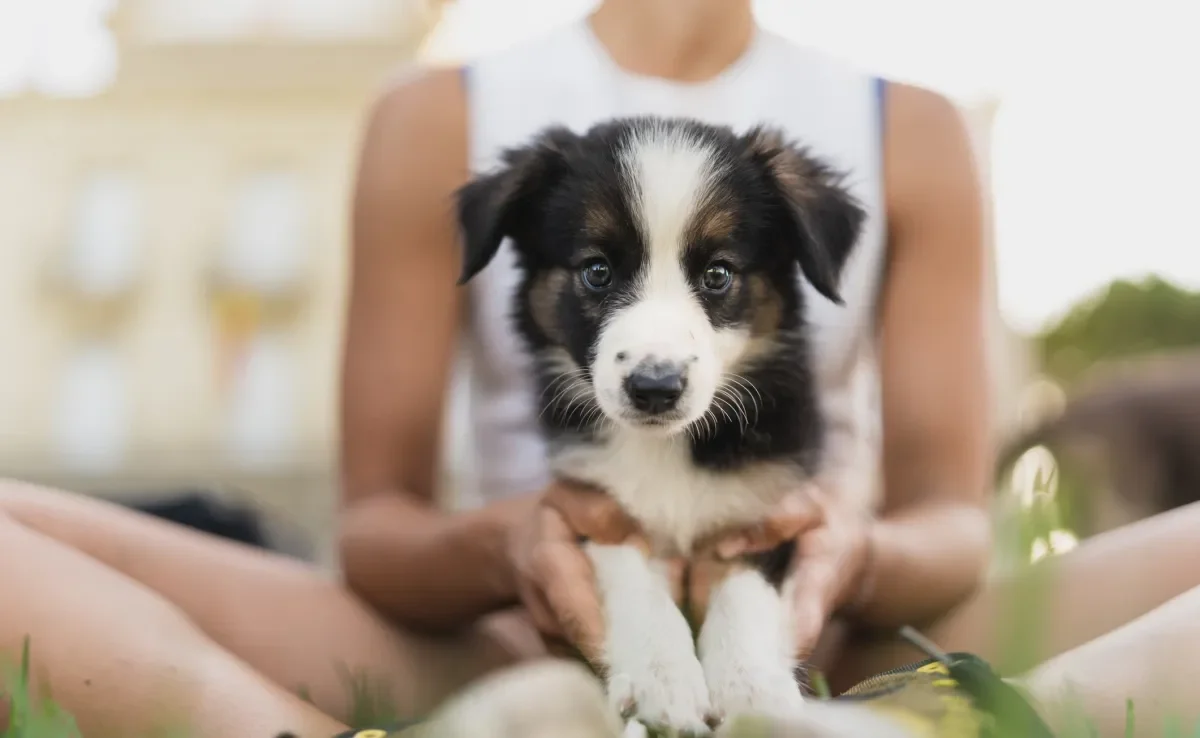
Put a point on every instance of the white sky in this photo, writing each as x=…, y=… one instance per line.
x=1096, y=150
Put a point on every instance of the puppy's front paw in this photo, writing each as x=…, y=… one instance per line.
x=738, y=691
x=655, y=676
x=747, y=650
x=664, y=697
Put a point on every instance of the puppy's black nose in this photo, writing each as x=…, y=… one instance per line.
x=655, y=388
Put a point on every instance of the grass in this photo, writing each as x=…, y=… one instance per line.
x=32, y=717
x=42, y=717
x=1027, y=524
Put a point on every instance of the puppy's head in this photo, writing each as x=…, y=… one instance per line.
x=659, y=257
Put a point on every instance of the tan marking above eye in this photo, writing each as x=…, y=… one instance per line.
x=716, y=224
x=714, y=220
x=598, y=221
x=543, y=302
x=766, y=307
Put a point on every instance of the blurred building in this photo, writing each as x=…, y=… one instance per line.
x=172, y=249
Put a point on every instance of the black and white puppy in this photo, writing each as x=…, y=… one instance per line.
x=661, y=299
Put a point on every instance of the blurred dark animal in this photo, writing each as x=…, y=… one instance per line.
x=202, y=511
x=1132, y=434
x=205, y=511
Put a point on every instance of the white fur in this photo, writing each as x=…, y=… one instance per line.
x=669, y=175
x=745, y=643
x=746, y=647
x=675, y=502
x=648, y=648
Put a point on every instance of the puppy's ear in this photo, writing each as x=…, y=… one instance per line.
x=500, y=204
x=825, y=218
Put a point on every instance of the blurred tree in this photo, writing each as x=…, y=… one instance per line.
x=1124, y=320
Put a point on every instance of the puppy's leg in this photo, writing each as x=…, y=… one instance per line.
x=747, y=648
x=649, y=650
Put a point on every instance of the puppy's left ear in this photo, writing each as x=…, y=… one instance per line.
x=825, y=218
x=502, y=203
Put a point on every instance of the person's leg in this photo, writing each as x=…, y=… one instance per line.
x=124, y=661
x=276, y=614
x=1153, y=661
x=1106, y=582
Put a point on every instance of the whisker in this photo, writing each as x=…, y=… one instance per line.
x=569, y=392
x=730, y=402
x=749, y=392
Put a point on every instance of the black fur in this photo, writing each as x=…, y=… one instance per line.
x=774, y=564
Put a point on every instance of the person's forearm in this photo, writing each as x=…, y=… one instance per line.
x=924, y=561
x=426, y=568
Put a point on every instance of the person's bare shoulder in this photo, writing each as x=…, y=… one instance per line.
x=928, y=155
x=422, y=95
x=911, y=104
x=414, y=152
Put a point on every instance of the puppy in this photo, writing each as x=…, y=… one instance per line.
x=660, y=298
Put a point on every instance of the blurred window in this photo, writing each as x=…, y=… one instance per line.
x=92, y=414
x=263, y=258
x=265, y=248
x=262, y=404
x=105, y=241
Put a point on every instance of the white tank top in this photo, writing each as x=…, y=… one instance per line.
x=567, y=77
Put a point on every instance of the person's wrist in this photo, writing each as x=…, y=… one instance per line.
x=861, y=591
x=488, y=533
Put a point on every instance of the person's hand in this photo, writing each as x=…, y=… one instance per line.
x=554, y=577
x=831, y=565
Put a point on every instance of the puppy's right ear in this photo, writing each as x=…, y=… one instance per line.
x=824, y=219
x=501, y=203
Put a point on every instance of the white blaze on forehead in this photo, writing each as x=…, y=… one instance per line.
x=670, y=173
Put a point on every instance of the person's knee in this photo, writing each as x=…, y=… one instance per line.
x=27, y=503
x=513, y=635
x=12, y=494
x=11, y=504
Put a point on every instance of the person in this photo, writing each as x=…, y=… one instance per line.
x=138, y=622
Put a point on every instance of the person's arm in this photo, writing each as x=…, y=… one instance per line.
x=411, y=561
x=931, y=544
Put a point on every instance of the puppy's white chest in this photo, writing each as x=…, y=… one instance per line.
x=675, y=502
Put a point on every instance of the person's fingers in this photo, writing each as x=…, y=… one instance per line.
x=590, y=513
x=567, y=583
x=813, y=581
x=703, y=576
x=571, y=594
x=808, y=620
x=676, y=571
x=540, y=613
x=795, y=514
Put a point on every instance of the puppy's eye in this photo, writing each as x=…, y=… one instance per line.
x=717, y=278
x=596, y=274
